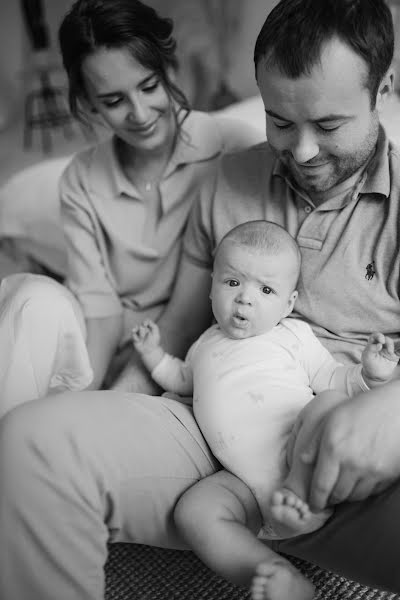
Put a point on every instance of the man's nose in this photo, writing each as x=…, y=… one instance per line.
x=304, y=147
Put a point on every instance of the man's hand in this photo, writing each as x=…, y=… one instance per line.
x=378, y=359
x=352, y=449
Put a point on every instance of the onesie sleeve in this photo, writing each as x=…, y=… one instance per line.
x=324, y=372
x=175, y=375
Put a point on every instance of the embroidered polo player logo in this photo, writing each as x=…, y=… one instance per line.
x=370, y=271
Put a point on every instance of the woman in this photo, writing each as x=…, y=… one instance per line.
x=124, y=205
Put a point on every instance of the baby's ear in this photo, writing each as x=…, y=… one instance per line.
x=210, y=294
x=291, y=302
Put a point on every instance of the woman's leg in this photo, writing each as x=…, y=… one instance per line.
x=42, y=340
x=80, y=469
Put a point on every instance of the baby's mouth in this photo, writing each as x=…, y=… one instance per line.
x=240, y=320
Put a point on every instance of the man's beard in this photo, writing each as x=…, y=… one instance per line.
x=338, y=168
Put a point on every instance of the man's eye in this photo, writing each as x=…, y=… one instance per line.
x=232, y=283
x=267, y=290
x=328, y=128
x=282, y=125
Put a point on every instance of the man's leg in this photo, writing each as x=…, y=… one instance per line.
x=360, y=541
x=80, y=469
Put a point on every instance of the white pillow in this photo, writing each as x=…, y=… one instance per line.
x=30, y=212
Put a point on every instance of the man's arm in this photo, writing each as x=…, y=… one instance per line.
x=188, y=313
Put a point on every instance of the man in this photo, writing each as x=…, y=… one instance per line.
x=330, y=176
x=80, y=469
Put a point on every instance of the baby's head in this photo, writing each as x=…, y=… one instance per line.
x=256, y=268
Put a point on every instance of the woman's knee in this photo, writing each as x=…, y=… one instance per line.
x=24, y=289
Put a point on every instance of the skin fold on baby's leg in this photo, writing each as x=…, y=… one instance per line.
x=219, y=518
x=290, y=514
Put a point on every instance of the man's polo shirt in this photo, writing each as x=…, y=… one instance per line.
x=349, y=283
x=122, y=257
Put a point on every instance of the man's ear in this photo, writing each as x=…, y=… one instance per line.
x=385, y=89
x=291, y=301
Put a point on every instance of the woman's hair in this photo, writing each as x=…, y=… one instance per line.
x=117, y=24
x=295, y=31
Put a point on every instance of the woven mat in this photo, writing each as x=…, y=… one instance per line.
x=135, y=572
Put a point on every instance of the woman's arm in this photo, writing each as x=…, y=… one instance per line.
x=103, y=335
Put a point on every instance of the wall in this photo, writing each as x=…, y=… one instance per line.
x=14, y=46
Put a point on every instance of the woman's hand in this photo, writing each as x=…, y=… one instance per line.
x=353, y=449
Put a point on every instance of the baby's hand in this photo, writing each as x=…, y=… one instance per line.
x=146, y=337
x=378, y=359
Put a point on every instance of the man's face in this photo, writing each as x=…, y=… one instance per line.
x=321, y=124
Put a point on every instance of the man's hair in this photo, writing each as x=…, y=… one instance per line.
x=295, y=32
x=267, y=237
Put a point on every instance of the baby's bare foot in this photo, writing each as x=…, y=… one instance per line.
x=291, y=516
x=279, y=580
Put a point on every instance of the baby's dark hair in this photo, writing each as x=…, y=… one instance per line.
x=265, y=236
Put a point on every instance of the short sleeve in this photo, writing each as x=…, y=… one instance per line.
x=198, y=241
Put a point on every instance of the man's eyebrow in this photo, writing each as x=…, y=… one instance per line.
x=325, y=119
x=117, y=92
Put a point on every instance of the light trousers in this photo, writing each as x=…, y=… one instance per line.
x=42, y=340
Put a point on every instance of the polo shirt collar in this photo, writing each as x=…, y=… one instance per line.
x=377, y=180
x=199, y=140
x=378, y=172
x=106, y=176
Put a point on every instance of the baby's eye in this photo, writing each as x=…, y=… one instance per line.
x=232, y=282
x=267, y=290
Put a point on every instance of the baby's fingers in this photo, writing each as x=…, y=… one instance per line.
x=376, y=338
x=389, y=350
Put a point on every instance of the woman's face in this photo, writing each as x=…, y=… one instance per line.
x=131, y=99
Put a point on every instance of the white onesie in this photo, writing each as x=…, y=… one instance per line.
x=248, y=393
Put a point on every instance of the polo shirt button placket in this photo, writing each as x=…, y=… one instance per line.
x=307, y=209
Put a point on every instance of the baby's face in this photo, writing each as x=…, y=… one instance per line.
x=251, y=290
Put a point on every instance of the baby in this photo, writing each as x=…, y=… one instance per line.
x=250, y=375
